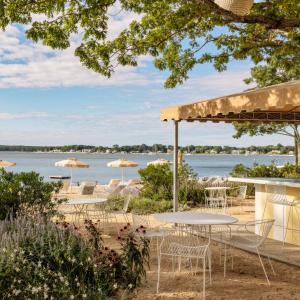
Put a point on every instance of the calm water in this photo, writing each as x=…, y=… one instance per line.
x=204, y=165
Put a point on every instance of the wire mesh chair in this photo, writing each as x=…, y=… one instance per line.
x=244, y=237
x=241, y=195
x=151, y=232
x=216, y=200
x=181, y=243
x=279, y=197
x=122, y=212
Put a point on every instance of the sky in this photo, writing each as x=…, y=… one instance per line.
x=48, y=98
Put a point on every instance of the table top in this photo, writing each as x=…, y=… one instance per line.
x=213, y=188
x=195, y=218
x=82, y=201
x=289, y=182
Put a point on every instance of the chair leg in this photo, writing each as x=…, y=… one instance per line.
x=287, y=224
x=271, y=265
x=204, y=272
x=262, y=264
x=158, y=273
x=225, y=259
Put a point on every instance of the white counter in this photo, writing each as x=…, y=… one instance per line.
x=268, y=181
x=286, y=216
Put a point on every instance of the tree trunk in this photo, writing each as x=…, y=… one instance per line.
x=296, y=151
x=297, y=145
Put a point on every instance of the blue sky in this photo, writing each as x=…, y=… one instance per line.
x=48, y=98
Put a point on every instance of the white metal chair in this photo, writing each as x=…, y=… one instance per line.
x=181, y=243
x=123, y=212
x=216, y=200
x=278, y=197
x=244, y=237
x=151, y=232
x=241, y=195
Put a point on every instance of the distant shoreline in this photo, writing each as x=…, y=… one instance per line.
x=144, y=153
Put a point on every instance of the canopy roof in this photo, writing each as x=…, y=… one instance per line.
x=277, y=103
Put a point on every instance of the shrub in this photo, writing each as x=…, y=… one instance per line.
x=40, y=260
x=287, y=171
x=158, y=184
x=149, y=206
x=26, y=193
x=114, y=202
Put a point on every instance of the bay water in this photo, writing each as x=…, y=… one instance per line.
x=203, y=165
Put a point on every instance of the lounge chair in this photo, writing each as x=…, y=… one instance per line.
x=65, y=189
x=113, y=183
x=87, y=188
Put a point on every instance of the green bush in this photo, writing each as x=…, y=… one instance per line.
x=26, y=193
x=158, y=184
x=149, y=206
x=287, y=171
x=114, y=202
x=43, y=260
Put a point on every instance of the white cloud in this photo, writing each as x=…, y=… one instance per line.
x=4, y=116
x=24, y=64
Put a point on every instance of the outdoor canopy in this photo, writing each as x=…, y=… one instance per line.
x=277, y=103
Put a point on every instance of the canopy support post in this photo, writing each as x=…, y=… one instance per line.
x=175, y=168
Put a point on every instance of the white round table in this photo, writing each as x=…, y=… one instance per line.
x=196, y=218
x=81, y=206
x=85, y=201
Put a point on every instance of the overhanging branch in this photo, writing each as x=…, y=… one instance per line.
x=270, y=23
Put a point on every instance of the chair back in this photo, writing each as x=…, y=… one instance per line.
x=87, y=188
x=65, y=187
x=263, y=227
x=140, y=220
x=216, y=200
x=117, y=189
x=278, y=195
x=182, y=242
x=242, y=192
x=126, y=203
x=114, y=183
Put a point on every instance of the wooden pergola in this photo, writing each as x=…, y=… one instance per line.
x=274, y=104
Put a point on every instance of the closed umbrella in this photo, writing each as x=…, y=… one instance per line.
x=122, y=163
x=71, y=163
x=160, y=162
x=5, y=164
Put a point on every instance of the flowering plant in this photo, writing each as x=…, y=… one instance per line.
x=43, y=260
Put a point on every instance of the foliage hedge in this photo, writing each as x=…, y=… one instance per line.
x=286, y=171
x=26, y=193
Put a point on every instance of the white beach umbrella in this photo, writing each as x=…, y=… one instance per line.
x=71, y=163
x=5, y=164
x=160, y=162
x=122, y=163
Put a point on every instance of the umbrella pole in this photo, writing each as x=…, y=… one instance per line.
x=122, y=170
x=71, y=180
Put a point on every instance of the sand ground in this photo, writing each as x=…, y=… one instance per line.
x=245, y=281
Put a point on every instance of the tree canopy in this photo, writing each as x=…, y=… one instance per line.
x=178, y=34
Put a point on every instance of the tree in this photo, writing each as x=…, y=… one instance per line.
x=254, y=129
x=178, y=34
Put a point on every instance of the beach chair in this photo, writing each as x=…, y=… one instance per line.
x=113, y=183
x=65, y=188
x=87, y=188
